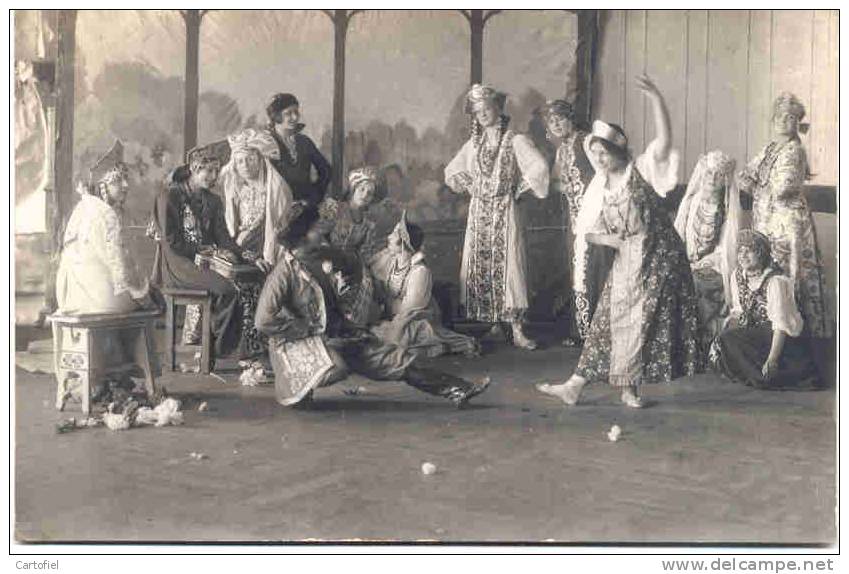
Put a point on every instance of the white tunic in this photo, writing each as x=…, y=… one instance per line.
x=96, y=273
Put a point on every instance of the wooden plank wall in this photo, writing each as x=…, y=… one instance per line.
x=720, y=71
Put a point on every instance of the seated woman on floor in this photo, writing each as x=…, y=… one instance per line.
x=761, y=346
x=403, y=288
x=96, y=272
x=347, y=226
x=708, y=221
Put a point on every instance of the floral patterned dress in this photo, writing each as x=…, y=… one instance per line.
x=354, y=235
x=781, y=212
x=493, y=272
x=250, y=213
x=645, y=328
x=587, y=269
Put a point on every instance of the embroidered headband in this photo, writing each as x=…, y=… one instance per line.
x=480, y=93
x=251, y=139
x=365, y=174
x=756, y=241
x=217, y=154
x=610, y=134
x=110, y=167
x=560, y=108
x=788, y=102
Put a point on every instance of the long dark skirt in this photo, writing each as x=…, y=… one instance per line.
x=739, y=354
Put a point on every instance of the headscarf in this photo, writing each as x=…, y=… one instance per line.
x=725, y=253
x=759, y=243
x=788, y=102
x=609, y=133
x=479, y=93
x=412, y=236
x=278, y=194
x=367, y=173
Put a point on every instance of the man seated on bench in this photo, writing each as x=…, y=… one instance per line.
x=188, y=220
x=96, y=272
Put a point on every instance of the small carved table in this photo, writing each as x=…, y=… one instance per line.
x=83, y=349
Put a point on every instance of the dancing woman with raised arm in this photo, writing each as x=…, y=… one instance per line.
x=645, y=329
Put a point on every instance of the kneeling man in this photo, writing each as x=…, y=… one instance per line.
x=312, y=345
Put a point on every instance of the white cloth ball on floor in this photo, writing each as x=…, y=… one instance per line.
x=428, y=468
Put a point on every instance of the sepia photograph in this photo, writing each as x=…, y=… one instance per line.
x=548, y=277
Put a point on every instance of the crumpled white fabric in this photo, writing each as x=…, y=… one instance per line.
x=166, y=413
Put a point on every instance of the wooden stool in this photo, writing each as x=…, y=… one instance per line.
x=78, y=350
x=175, y=297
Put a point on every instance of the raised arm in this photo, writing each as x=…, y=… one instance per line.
x=663, y=131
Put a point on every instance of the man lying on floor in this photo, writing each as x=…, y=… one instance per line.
x=312, y=345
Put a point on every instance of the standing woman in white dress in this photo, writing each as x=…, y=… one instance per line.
x=496, y=167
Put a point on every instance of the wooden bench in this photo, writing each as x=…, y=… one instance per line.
x=81, y=350
x=173, y=299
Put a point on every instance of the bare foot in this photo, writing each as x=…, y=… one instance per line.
x=568, y=392
x=630, y=399
x=522, y=341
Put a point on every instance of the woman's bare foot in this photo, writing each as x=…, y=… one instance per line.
x=568, y=392
x=630, y=398
x=521, y=340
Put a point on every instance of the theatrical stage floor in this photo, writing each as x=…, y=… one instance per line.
x=706, y=462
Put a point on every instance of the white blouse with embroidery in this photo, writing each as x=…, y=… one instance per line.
x=781, y=306
x=96, y=272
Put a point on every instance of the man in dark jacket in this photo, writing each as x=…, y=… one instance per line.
x=188, y=220
x=312, y=345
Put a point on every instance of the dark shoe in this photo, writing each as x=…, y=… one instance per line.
x=305, y=403
x=461, y=398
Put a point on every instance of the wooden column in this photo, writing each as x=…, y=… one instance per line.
x=477, y=20
x=340, y=19
x=585, y=63
x=63, y=158
x=192, y=19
